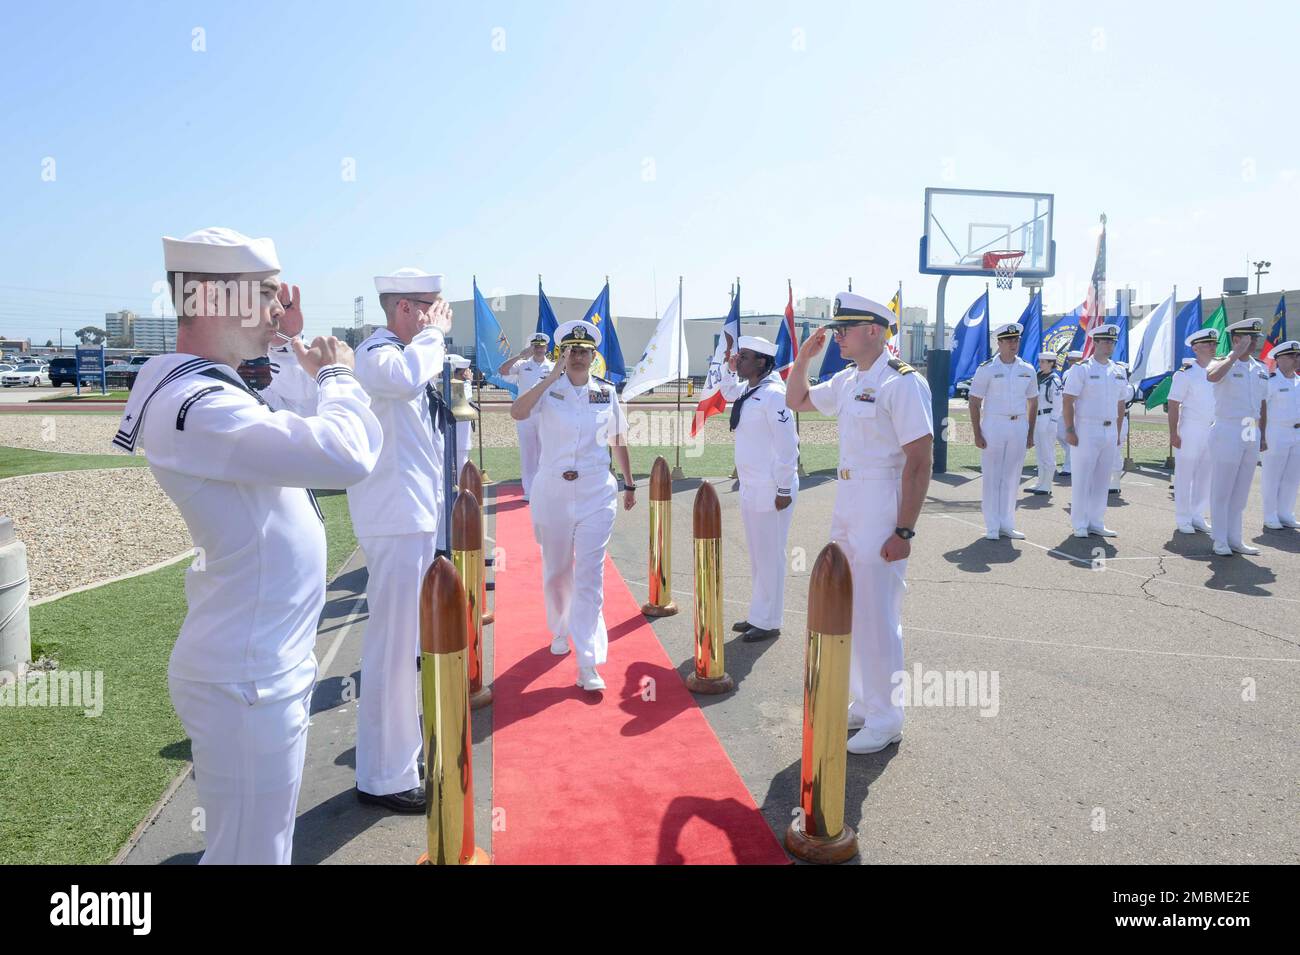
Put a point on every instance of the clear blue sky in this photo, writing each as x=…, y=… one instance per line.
x=770, y=161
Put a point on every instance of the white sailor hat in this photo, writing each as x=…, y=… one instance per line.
x=1290, y=347
x=1047, y=356
x=540, y=338
x=408, y=281
x=578, y=334
x=1105, y=332
x=757, y=344
x=1009, y=330
x=1074, y=355
x=1202, y=335
x=219, y=251
x=458, y=362
x=1248, y=326
x=854, y=309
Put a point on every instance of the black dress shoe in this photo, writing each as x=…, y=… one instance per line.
x=410, y=801
x=754, y=634
x=740, y=626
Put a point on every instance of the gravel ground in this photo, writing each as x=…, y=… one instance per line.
x=84, y=526
x=69, y=433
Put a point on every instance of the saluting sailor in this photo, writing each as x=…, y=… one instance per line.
x=1240, y=392
x=463, y=410
x=397, y=513
x=1003, y=400
x=1045, y=422
x=1191, y=415
x=243, y=667
x=1072, y=358
x=767, y=464
x=1281, y=479
x=525, y=370
x=579, y=422
x=886, y=455
x=1117, y=459
x=1095, y=392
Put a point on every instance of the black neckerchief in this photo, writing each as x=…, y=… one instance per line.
x=735, y=408
x=439, y=413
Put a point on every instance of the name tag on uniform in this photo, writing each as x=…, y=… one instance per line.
x=556, y=394
x=997, y=374
x=1094, y=377
x=1237, y=374
x=598, y=397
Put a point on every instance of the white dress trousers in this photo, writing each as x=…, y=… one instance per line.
x=249, y=741
x=1234, y=445
x=389, y=741
x=1281, y=478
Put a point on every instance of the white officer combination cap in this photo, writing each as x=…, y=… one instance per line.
x=219, y=251
x=458, y=361
x=854, y=309
x=408, y=282
x=1074, y=355
x=540, y=338
x=1249, y=326
x=1047, y=356
x=1105, y=332
x=1009, y=330
x=578, y=334
x=1291, y=347
x=1202, y=335
x=758, y=344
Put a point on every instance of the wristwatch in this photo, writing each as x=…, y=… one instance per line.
x=905, y=532
x=628, y=487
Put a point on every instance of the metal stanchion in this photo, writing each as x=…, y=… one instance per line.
x=467, y=556
x=448, y=753
x=660, y=603
x=818, y=833
x=710, y=674
x=471, y=479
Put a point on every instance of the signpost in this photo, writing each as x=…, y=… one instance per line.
x=90, y=362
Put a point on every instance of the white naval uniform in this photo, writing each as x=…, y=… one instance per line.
x=243, y=668
x=573, y=519
x=1046, y=423
x=1005, y=388
x=880, y=409
x=1234, y=447
x=396, y=514
x=1060, y=425
x=1281, y=479
x=527, y=373
x=1097, y=389
x=767, y=464
x=1192, y=462
x=1117, y=461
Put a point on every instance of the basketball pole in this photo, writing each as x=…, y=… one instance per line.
x=937, y=367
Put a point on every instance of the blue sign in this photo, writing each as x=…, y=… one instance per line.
x=91, y=364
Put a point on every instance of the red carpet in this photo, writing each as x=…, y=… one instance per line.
x=609, y=778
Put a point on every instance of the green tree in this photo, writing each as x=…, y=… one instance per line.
x=90, y=335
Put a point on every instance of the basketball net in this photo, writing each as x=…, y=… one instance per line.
x=1004, y=265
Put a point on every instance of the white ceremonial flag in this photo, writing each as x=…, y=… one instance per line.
x=664, y=358
x=1155, y=353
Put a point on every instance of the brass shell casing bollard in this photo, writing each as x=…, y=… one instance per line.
x=660, y=603
x=472, y=480
x=710, y=674
x=467, y=556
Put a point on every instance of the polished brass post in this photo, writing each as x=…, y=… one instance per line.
x=448, y=753
x=710, y=674
x=660, y=603
x=467, y=556
x=471, y=479
x=818, y=833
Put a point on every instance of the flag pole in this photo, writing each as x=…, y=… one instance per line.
x=1173, y=319
x=1128, y=438
x=478, y=391
x=789, y=287
x=678, y=474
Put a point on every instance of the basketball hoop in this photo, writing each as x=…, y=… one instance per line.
x=1004, y=265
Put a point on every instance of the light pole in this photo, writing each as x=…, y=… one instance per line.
x=1261, y=268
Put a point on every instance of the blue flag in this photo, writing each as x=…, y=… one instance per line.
x=1031, y=339
x=491, y=347
x=610, y=364
x=546, y=323
x=832, y=362
x=1187, y=321
x=1122, y=316
x=970, y=342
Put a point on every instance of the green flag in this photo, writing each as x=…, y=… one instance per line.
x=1219, y=320
x=1160, y=393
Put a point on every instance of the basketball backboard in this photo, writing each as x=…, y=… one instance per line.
x=963, y=225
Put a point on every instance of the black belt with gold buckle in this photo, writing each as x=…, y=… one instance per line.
x=570, y=475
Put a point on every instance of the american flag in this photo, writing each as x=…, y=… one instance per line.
x=1094, y=306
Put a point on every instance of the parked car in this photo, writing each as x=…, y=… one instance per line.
x=30, y=376
x=63, y=371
